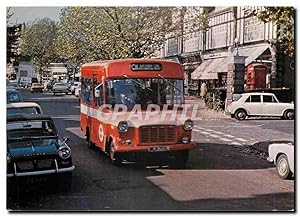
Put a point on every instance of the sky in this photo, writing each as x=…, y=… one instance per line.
x=29, y=14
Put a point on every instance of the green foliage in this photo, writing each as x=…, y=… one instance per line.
x=92, y=33
x=38, y=42
x=12, y=43
x=284, y=18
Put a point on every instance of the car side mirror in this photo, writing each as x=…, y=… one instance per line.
x=66, y=139
x=97, y=93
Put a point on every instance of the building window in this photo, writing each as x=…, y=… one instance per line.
x=172, y=47
x=253, y=29
x=219, y=34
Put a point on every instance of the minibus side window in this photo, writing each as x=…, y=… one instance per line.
x=99, y=100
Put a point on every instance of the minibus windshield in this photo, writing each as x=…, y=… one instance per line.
x=144, y=91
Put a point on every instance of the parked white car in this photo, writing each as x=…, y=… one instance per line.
x=60, y=88
x=77, y=91
x=260, y=104
x=282, y=154
x=23, y=108
x=74, y=86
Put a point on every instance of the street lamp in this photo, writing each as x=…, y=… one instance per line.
x=236, y=45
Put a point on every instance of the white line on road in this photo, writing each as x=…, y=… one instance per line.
x=240, y=139
x=235, y=143
x=228, y=135
x=215, y=136
x=226, y=140
x=203, y=132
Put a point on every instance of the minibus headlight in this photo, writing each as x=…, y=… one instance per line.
x=188, y=125
x=64, y=153
x=123, y=126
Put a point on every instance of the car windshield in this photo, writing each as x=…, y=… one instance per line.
x=32, y=142
x=144, y=91
x=60, y=85
x=24, y=110
x=30, y=129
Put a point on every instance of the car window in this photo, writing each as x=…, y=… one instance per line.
x=268, y=99
x=255, y=98
x=248, y=99
x=27, y=110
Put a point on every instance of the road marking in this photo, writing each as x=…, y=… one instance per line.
x=228, y=135
x=235, y=143
x=203, y=132
x=209, y=130
x=77, y=131
x=215, y=136
x=240, y=139
x=196, y=130
x=226, y=140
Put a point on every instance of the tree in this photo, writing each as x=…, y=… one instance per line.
x=38, y=42
x=283, y=18
x=90, y=33
x=12, y=43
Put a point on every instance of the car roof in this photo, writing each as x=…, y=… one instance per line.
x=12, y=91
x=256, y=93
x=28, y=117
x=22, y=104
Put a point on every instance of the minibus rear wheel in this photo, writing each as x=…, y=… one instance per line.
x=88, y=139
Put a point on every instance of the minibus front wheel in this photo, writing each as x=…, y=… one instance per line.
x=113, y=155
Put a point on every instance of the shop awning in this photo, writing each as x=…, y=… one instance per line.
x=210, y=68
x=252, y=52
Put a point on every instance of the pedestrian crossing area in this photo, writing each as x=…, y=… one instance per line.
x=202, y=134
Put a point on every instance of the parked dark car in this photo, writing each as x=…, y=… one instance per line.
x=34, y=148
x=13, y=95
x=13, y=85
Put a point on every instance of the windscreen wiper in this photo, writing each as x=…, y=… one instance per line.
x=169, y=83
x=141, y=85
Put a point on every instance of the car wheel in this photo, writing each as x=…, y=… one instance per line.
x=289, y=114
x=88, y=140
x=113, y=156
x=282, y=167
x=240, y=114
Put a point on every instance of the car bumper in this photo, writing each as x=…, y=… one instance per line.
x=37, y=89
x=153, y=148
x=41, y=172
x=60, y=91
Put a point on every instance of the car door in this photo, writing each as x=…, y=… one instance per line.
x=271, y=107
x=253, y=104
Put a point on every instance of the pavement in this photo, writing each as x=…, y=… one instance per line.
x=204, y=113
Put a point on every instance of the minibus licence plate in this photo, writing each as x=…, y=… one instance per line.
x=160, y=148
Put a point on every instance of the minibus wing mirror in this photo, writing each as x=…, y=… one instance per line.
x=97, y=93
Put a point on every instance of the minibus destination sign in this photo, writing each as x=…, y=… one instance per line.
x=146, y=67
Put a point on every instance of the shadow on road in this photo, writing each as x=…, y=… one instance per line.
x=220, y=156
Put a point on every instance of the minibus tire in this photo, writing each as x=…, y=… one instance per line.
x=88, y=139
x=114, y=158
